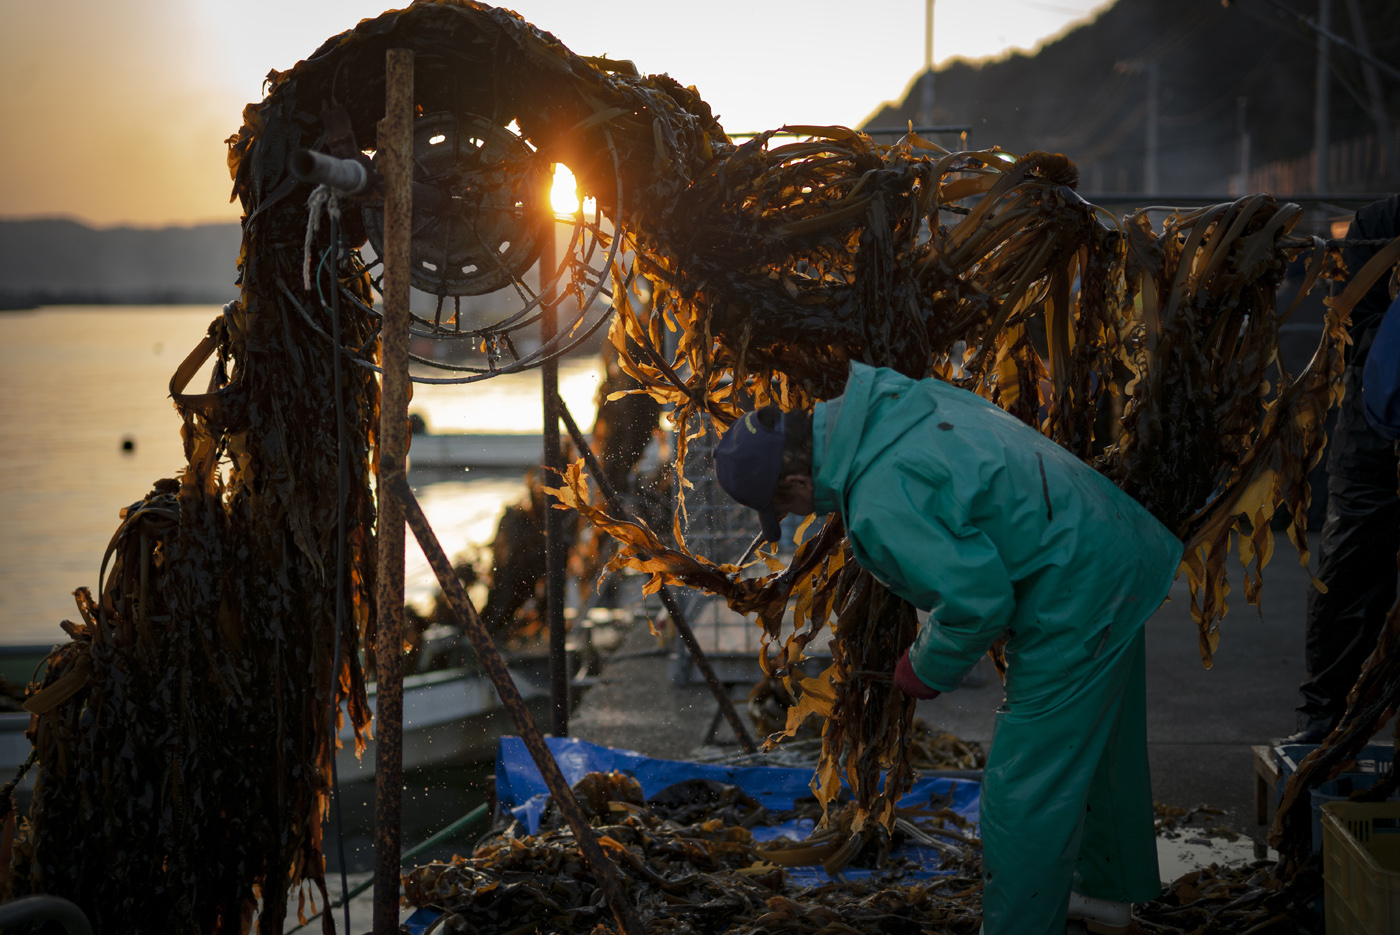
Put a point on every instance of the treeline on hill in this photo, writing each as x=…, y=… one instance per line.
x=56, y=261
x=1085, y=94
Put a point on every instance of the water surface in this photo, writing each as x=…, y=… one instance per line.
x=75, y=382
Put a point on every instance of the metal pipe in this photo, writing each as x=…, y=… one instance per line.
x=1391, y=163
x=927, y=81
x=349, y=176
x=1325, y=30
x=1322, y=105
x=1149, y=164
x=1242, y=142
x=395, y=142
x=604, y=871
x=354, y=178
x=555, y=548
x=673, y=607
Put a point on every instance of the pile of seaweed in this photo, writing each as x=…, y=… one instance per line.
x=692, y=865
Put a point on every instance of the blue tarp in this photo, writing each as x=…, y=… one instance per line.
x=520, y=790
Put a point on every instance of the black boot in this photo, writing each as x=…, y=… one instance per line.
x=1312, y=728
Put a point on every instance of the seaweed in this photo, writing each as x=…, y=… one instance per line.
x=184, y=733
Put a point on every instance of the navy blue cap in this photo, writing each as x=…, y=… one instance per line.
x=748, y=460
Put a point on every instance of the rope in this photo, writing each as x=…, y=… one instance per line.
x=325, y=198
x=1344, y=242
x=322, y=197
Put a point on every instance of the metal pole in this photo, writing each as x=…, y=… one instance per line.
x=1322, y=112
x=1149, y=167
x=604, y=871
x=926, y=85
x=1242, y=132
x=395, y=142
x=1390, y=158
x=673, y=607
x=555, y=548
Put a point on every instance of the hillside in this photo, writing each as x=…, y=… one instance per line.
x=55, y=261
x=1085, y=93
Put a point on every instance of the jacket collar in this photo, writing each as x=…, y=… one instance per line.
x=837, y=427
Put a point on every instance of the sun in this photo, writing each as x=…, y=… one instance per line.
x=563, y=195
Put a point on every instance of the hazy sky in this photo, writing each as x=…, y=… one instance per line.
x=115, y=112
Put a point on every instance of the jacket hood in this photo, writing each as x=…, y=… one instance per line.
x=841, y=451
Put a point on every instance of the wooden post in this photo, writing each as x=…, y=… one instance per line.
x=395, y=142
x=556, y=553
x=604, y=871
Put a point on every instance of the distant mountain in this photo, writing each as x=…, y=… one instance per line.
x=1085, y=93
x=63, y=262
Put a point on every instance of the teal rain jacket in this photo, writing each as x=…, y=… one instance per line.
x=969, y=514
x=966, y=512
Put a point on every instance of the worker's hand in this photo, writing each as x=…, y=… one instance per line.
x=908, y=682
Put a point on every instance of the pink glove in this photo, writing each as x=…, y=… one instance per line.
x=909, y=683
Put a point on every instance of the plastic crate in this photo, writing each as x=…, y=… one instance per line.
x=1361, y=867
x=1372, y=763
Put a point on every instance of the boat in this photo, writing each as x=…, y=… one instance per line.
x=474, y=450
x=449, y=716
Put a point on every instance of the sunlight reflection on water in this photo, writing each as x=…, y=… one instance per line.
x=75, y=382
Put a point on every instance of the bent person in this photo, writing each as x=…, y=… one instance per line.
x=966, y=512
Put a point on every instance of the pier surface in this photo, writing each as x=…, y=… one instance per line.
x=1201, y=722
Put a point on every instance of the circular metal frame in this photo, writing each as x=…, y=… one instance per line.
x=482, y=208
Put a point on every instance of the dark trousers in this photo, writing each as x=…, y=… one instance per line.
x=1357, y=558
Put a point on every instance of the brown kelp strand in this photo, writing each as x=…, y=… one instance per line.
x=1240, y=900
x=692, y=865
x=1372, y=702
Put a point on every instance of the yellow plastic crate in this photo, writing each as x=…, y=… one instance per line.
x=1361, y=867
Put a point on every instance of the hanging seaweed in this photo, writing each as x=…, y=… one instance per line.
x=839, y=253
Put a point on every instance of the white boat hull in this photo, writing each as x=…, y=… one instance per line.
x=452, y=716
x=475, y=451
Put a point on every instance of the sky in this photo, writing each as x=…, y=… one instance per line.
x=115, y=113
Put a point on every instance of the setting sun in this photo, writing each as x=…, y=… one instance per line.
x=563, y=195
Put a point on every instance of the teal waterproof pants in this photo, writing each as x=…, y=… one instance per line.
x=1067, y=799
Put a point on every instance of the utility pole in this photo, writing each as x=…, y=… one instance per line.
x=926, y=85
x=1321, y=111
x=1242, y=134
x=1390, y=158
x=1149, y=163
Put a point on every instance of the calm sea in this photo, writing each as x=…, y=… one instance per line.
x=75, y=382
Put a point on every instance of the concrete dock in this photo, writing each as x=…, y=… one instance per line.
x=1201, y=722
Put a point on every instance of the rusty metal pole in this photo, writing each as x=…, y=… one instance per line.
x=395, y=142
x=604, y=871
x=555, y=548
x=673, y=607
